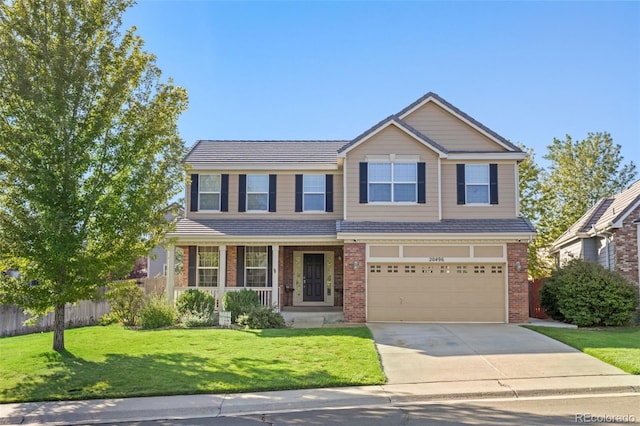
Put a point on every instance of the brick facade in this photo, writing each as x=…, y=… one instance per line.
x=517, y=282
x=625, y=245
x=355, y=282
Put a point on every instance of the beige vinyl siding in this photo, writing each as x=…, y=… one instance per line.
x=448, y=130
x=285, y=198
x=506, y=207
x=392, y=140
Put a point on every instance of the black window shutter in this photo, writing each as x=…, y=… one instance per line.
x=269, y=266
x=422, y=184
x=242, y=193
x=328, y=194
x=299, y=184
x=194, y=192
x=493, y=183
x=460, y=182
x=193, y=266
x=240, y=266
x=273, y=182
x=224, y=193
x=364, y=168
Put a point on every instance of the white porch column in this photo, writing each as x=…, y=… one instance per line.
x=275, y=259
x=171, y=272
x=222, y=272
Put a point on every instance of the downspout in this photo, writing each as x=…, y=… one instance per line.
x=607, y=239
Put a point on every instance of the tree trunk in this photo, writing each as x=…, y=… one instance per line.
x=58, y=328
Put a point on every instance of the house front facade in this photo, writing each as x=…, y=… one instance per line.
x=416, y=219
x=608, y=234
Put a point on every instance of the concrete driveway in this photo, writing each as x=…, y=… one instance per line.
x=423, y=353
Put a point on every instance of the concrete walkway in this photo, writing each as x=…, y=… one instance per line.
x=494, y=372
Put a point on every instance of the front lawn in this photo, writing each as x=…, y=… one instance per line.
x=107, y=362
x=617, y=346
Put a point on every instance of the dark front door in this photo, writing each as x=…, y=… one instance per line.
x=313, y=278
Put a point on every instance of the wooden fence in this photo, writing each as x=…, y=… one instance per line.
x=86, y=312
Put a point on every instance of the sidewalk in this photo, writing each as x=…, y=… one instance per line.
x=194, y=406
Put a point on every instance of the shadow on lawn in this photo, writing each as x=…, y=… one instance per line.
x=73, y=378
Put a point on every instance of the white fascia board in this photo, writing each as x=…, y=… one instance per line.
x=264, y=166
x=506, y=155
x=618, y=223
x=343, y=154
x=519, y=237
x=458, y=116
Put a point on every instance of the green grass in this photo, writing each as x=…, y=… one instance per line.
x=616, y=346
x=107, y=362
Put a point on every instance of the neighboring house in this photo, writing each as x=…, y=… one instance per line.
x=416, y=219
x=157, y=259
x=606, y=234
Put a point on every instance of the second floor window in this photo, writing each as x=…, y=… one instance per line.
x=392, y=182
x=314, y=192
x=477, y=183
x=209, y=194
x=257, y=193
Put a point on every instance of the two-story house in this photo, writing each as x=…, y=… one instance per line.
x=416, y=219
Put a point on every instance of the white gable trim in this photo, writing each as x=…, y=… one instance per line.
x=393, y=122
x=459, y=117
x=618, y=223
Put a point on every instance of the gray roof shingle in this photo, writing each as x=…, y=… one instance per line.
x=252, y=228
x=447, y=226
x=248, y=152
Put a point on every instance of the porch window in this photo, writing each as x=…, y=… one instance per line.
x=209, y=193
x=256, y=265
x=477, y=183
x=314, y=192
x=208, y=264
x=258, y=193
x=393, y=182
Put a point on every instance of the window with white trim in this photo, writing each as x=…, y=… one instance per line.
x=393, y=182
x=209, y=193
x=477, y=183
x=313, y=197
x=258, y=193
x=208, y=265
x=256, y=262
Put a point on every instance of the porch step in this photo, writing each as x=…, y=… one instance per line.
x=308, y=322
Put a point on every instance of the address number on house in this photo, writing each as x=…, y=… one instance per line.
x=436, y=259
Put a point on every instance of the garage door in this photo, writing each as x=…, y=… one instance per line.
x=438, y=293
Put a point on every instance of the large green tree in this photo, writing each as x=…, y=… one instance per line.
x=89, y=150
x=579, y=174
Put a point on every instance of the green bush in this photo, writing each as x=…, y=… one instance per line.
x=261, y=317
x=198, y=319
x=240, y=302
x=586, y=294
x=126, y=300
x=156, y=313
x=196, y=301
x=107, y=319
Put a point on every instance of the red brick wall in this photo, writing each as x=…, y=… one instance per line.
x=354, y=283
x=232, y=256
x=625, y=244
x=181, y=280
x=518, y=285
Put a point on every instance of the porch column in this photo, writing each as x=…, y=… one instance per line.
x=275, y=290
x=222, y=272
x=171, y=272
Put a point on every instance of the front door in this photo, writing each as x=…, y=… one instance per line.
x=313, y=278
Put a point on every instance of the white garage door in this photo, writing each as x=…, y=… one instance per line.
x=436, y=292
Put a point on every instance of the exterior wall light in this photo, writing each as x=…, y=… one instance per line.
x=518, y=266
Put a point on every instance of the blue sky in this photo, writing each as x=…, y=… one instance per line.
x=530, y=71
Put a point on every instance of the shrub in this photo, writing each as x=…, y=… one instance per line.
x=126, y=300
x=586, y=294
x=240, y=302
x=196, y=301
x=198, y=319
x=107, y=319
x=157, y=314
x=261, y=317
